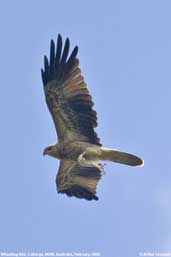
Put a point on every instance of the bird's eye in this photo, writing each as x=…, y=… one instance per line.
x=49, y=148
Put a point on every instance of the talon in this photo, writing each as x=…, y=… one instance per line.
x=81, y=158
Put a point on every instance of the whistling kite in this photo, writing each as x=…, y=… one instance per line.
x=70, y=104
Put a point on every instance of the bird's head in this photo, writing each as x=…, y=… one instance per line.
x=50, y=150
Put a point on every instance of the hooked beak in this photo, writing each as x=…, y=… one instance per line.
x=44, y=152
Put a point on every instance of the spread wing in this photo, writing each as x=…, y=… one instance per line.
x=67, y=95
x=76, y=180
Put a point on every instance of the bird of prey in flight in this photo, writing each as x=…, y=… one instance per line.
x=79, y=149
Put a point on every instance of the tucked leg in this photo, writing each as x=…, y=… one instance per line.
x=81, y=157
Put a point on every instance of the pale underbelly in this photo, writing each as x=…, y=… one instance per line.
x=75, y=149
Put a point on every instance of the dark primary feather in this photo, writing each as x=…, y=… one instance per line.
x=58, y=66
x=79, y=181
x=71, y=58
x=67, y=95
x=58, y=51
x=52, y=57
x=79, y=192
x=65, y=52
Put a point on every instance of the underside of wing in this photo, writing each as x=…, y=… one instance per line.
x=76, y=180
x=67, y=95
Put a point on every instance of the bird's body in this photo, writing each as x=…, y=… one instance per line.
x=79, y=149
x=72, y=150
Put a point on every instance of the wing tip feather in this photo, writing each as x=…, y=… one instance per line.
x=59, y=64
x=79, y=192
x=59, y=38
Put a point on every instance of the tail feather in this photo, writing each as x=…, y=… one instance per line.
x=121, y=157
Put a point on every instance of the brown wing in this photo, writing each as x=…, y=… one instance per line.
x=76, y=180
x=67, y=95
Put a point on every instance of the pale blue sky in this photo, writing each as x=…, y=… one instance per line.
x=125, y=56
